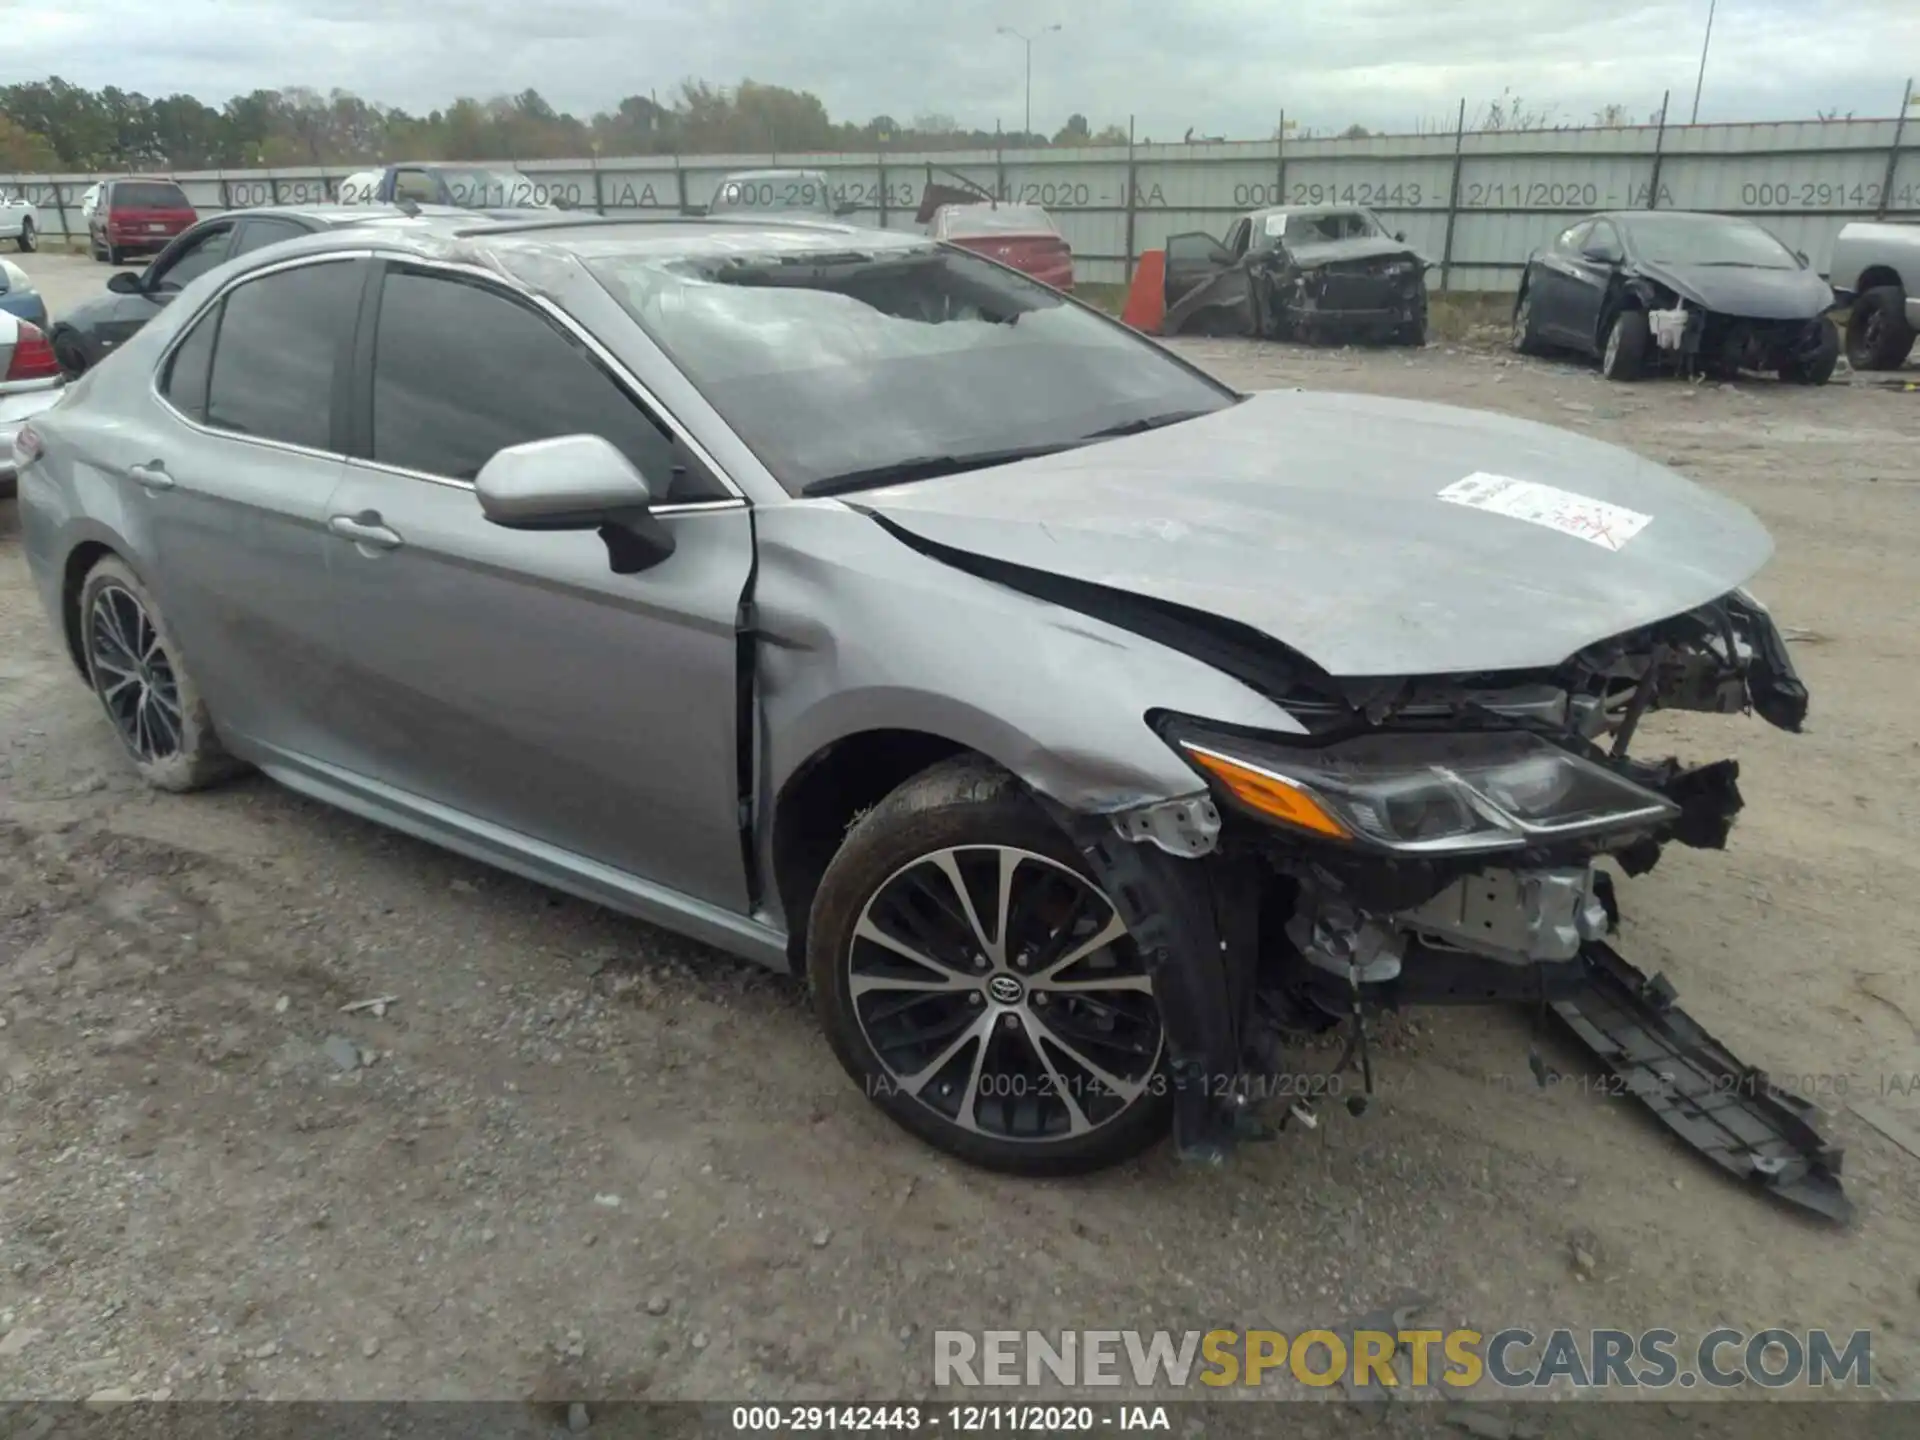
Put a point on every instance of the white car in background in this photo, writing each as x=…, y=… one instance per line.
x=19, y=220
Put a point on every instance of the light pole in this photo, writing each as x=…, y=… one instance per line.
x=1027, y=40
x=1699, y=79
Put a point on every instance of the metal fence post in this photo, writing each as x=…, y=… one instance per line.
x=1893, y=152
x=1659, y=154
x=880, y=165
x=999, y=164
x=1131, y=188
x=273, y=186
x=680, y=181
x=1453, y=196
x=1280, y=160
x=60, y=209
x=599, y=202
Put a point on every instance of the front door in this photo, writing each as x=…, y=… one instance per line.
x=186, y=259
x=511, y=675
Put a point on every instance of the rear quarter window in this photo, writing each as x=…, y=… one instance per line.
x=149, y=195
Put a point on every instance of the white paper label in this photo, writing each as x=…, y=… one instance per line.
x=1595, y=521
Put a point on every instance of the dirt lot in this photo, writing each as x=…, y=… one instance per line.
x=585, y=1156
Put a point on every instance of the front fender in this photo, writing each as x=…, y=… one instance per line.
x=856, y=631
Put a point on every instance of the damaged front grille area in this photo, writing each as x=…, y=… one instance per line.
x=1345, y=926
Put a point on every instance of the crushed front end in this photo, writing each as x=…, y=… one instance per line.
x=1380, y=296
x=1444, y=841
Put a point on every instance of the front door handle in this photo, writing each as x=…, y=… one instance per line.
x=365, y=529
x=152, y=475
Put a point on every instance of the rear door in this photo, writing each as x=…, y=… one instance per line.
x=511, y=675
x=234, y=482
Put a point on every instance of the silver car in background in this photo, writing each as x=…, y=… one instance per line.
x=1084, y=730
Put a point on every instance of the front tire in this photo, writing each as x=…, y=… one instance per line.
x=25, y=241
x=71, y=358
x=143, y=683
x=1878, y=336
x=1817, y=368
x=1524, y=340
x=1625, y=355
x=974, y=979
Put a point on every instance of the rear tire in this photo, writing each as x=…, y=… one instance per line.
x=1878, y=336
x=1817, y=368
x=143, y=683
x=965, y=1024
x=1625, y=355
x=25, y=241
x=113, y=254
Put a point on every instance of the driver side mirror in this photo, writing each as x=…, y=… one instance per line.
x=576, y=482
x=1400, y=236
x=845, y=207
x=126, y=282
x=1602, y=254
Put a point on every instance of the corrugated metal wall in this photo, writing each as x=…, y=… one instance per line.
x=1477, y=201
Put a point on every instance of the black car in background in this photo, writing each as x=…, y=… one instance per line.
x=1678, y=290
x=88, y=333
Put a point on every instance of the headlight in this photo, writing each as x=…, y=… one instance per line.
x=1427, y=794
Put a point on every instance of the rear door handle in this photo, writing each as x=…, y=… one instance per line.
x=365, y=529
x=152, y=475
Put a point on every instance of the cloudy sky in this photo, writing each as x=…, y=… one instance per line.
x=1220, y=66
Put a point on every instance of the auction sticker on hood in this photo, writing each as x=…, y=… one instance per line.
x=1595, y=521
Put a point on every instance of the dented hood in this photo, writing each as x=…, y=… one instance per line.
x=1351, y=252
x=1319, y=520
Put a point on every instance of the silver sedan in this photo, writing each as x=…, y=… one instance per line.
x=1083, y=730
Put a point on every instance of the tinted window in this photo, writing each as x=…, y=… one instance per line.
x=871, y=358
x=256, y=233
x=461, y=371
x=185, y=383
x=193, y=259
x=279, y=345
x=1602, y=240
x=148, y=195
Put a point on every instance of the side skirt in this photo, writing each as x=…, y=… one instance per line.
x=531, y=859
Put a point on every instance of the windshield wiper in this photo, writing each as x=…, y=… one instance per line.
x=1144, y=424
x=928, y=467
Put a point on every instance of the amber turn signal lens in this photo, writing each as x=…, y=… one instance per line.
x=1270, y=794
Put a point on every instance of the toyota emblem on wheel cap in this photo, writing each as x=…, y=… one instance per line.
x=1005, y=990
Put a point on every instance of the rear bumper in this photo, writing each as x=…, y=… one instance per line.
x=15, y=411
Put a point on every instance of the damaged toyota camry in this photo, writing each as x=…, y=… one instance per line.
x=1087, y=733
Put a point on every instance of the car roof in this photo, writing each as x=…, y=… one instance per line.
x=1307, y=210
x=463, y=236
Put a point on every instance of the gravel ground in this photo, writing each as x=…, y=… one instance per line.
x=578, y=1156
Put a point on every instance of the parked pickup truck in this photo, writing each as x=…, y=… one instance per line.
x=1876, y=269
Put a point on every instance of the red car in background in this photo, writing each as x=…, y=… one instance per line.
x=137, y=214
x=1022, y=236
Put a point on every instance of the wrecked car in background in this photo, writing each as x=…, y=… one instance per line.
x=1086, y=731
x=1308, y=273
x=1023, y=236
x=1676, y=290
x=1876, y=271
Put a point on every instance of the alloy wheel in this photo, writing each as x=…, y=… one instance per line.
x=999, y=988
x=133, y=675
